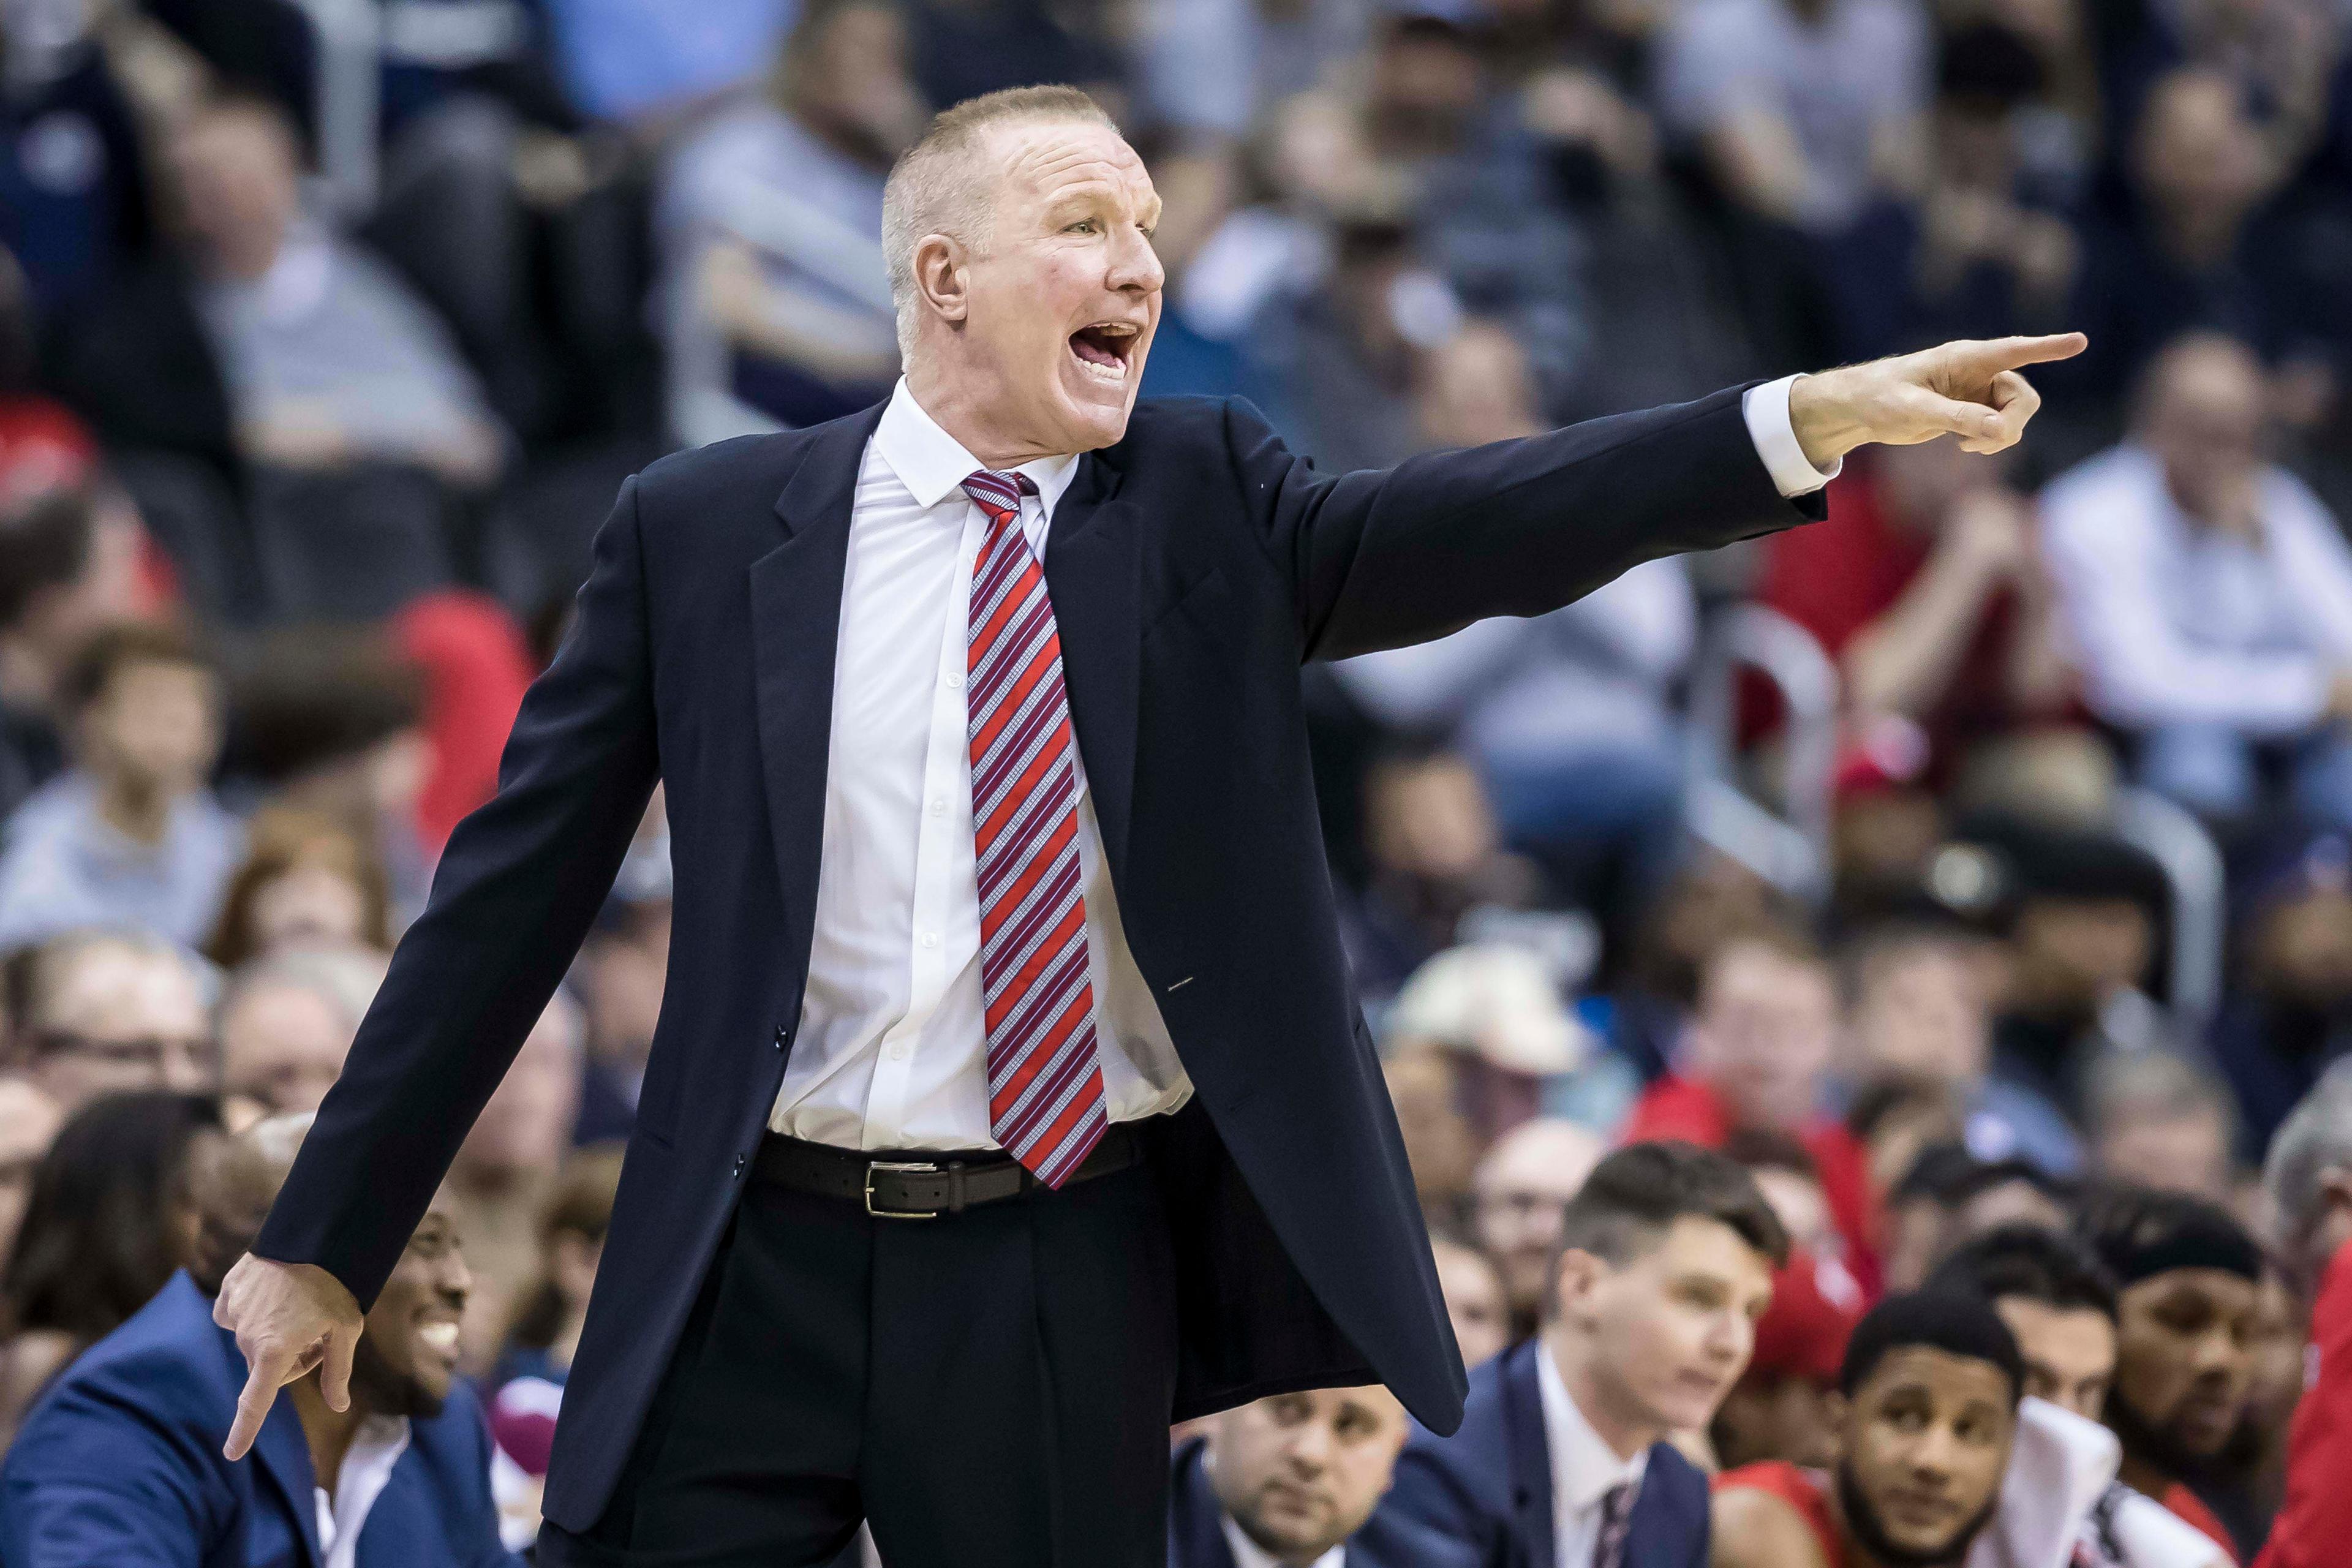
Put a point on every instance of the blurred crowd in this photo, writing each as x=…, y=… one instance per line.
x=1981, y=851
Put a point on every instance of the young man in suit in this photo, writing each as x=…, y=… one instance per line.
x=1010, y=1097
x=119, y=1462
x=1291, y=1481
x=1561, y=1460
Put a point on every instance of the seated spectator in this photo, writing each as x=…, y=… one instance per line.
x=1974, y=252
x=1898, y=1120
x=1436, y=859
x=1930, y=1385
x=2155, y=1118
x=29, y=1120
x=1796, y=106
x=1756, y=1057
x=73, y=209
x=527, y=1380
x=120, y=1462
x=285, y=1023
x=1666, y=1262
x=1293, y=1481
x=1939, y=1450
x=2058, y=1299
x=1948, y=1198
x=131, y=835
x=1924, y=587
x=1438, y=1142
x=2079, y=910
x=106, y=1011
x=306, y=884
x=775, y=297
x=331, y=722
x=1781, y=1408
x=2209, y=594
x=1494, y=1010
x=511, y=1160
x=1916, y=1012
x=2287, y=1016
x=1521, y=1188
x=2190, y=1277
x=113, y=1212
x=2195, y=246
x=69, y=566
x=1475, y=1305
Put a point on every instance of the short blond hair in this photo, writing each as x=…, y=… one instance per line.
x=933, y=189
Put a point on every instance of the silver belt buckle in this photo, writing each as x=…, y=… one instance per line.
x=915, y=1167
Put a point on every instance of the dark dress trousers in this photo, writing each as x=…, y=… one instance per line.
x=1489, y=1482
x=1194, y=567
x=1196, y=1529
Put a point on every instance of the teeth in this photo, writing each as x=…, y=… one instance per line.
x=439, y=1336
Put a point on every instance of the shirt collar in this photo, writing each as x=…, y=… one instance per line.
x=1583, y=1465
x=1248, y=1553
x=933, y=465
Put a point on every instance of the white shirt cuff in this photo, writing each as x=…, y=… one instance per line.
x=1766, y=409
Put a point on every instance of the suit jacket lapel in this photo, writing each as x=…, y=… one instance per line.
x=1090, y=571
x=796, y=628
x=284, y=1456
x=1529, y=1454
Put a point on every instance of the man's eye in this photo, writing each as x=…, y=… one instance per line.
x=1084, y=226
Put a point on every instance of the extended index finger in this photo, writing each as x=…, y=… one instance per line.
x=261, y=1386
x=1991, y=354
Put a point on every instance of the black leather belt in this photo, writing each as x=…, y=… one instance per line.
x=915, y=1186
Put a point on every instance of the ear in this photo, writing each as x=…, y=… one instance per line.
x=1581, y=1276
x=941, y=278
x=1835, y=1408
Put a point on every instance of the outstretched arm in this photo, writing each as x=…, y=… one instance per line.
x=1380, y=560
x=516, y=889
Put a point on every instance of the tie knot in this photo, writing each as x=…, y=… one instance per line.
x=999, y=493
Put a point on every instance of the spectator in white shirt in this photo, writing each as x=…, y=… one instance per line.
x=2209, y=594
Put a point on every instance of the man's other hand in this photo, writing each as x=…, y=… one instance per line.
x=1970, y=389
x=288, y=1318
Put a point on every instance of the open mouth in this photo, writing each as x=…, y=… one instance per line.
x=438, y=1335
x=1105, y=348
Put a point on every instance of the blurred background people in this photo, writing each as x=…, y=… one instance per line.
x=98, y=1010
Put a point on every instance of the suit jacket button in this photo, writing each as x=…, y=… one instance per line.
x=740, y=1160
x=783, y=1036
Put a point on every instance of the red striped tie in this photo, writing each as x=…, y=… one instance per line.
x=1045, y=1083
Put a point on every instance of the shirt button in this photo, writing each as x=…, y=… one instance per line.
x=955, y=682
x=930, y=939
x=899, y=1052
x=939, y=808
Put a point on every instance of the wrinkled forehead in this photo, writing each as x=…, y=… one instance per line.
x=1042, y=162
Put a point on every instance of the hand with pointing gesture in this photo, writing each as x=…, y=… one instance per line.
x=288, y=1319
x=1970, y=389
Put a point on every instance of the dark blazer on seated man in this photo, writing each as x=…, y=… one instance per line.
x=1197, y=1529
x=118, y=1466
x=1193, y=567
x=1491, y=1483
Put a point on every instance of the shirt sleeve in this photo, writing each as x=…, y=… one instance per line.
x=1766, y=409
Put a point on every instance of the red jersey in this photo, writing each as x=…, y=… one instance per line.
x=1804, y=1490
x=1683, y=1109
x=2316, y=1520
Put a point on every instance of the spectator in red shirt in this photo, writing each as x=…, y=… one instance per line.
x=1756, y=1057
x=2309, y=1181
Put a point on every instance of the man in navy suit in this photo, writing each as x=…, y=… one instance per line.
x=119, y=1462
x=1009, y=1095
x=1560, y=1460
x=1291, y=1481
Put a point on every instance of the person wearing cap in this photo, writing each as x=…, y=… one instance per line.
x=1493, y=1008
x=2058, y=1301
x=2188, y=1278
x=1781, y=1409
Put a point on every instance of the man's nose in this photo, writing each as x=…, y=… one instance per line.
x=1310, y=1448
x=1134, y=266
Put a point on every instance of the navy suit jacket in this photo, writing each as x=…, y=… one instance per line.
x=1490, y=1482
x=120, y=1463
x=1196, y=1529
x=1194, y=567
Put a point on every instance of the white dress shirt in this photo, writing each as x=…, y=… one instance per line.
x=367, y=1465
x=1584, y=1467
x=891, y=1051
x=1248, y=1553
